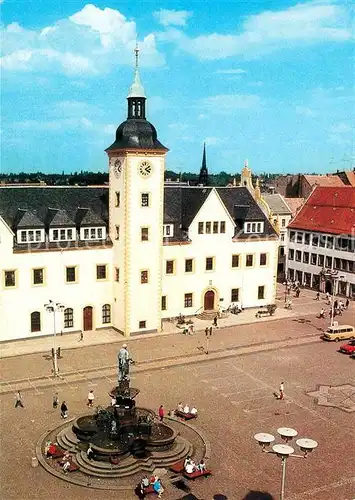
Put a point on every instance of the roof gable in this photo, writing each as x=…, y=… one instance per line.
x=86, y=217
x=59, y=218
x=25, y=219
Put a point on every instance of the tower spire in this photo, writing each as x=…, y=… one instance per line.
x=136, y=89
x=203, y=177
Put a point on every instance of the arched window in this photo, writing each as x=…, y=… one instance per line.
x=35, y=321
x=68, y=318
x=106, y=313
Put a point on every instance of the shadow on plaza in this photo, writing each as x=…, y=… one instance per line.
x=252, y=495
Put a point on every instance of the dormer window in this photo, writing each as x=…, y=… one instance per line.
x=67, y=234
x=30, y=235
x=253, y=227
x=93, y=233
x=168, y=230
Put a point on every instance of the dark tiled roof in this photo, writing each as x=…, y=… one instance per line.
x=136, y=134
x=58, y=218
x=85, y=217
x=39, y=199
x=24, y=219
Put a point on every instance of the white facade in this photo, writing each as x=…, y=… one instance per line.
x=311, y=252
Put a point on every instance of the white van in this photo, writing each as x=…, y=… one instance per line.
x=339, y=332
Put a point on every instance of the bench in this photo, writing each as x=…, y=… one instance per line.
x=197, y=473
x=72, y=468
x=178, y=466
x=185, y=416
x=59, y=453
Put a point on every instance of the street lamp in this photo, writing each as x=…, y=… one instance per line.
x=332, y=274
x=284, y=451
x=53, y=307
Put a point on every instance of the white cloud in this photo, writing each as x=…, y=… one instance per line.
x=304, y=111
x=90, y=41
x=305, y=23
x=228, y=103
x=236, y=71
x=172, y=17
x=340, y=128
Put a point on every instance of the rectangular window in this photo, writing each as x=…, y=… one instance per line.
x=299, y=238
x=163, y=303
x=235, y=260
x=249, y=261
x=99, y=233
x=31, y=236
x=328, y=262
x=169, y=267
x=86, y=234
x=322, y=240
x=253, y=227
x=9, y=279
x=188, y=300
x=70, y=274
x=298, y=255
x=330, y=242
x=306, y=257
x=307, y=238
x=38, y=235
x=188, y=265
x=282, y=237
x=313, y=259
x=321, y=260
x=106, y=314
x=23, y=236
x=35, y=322
x=92, y=233
x=261, y=292
x=235, y=295
x=117, y=199
x=282, y=251
x=208, y=228
x=248, y=227
x=283, y=222
x=55, y=234
x=101, y=272
x=258, y=228
x=117, y=274
x=144, y=234
x=68, y=318
x=263, y=259
x=117, y=237
x=142, y=324
x=215, y=227
x=222, y=227
x=200, y=228
x=336, y=263
x=38, y=276
x=209, y=263
x=351, y=266
x=145, y=200
x=292, y=236
x=70, y=234
x=344, y=265
x=315, y=240
x=62, y=234
x=144, y=277
x=291, y=254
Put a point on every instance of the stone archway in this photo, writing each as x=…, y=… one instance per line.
x=209, y=300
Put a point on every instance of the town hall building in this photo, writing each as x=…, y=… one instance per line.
x=134, y=253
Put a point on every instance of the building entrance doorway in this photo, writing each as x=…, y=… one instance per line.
x=328, y=287
x=87, y=318
x=209, y=300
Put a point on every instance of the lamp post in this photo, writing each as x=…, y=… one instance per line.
x=54, y=307
x=332, y=274
x=284, y=451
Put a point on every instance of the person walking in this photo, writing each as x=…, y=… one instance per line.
x=207, y=331
x=161, y=413
x=63, y=410
x=81, y=336
x=55, y=402
x=210, y=330
x=215, y=320
x=19, y=399
x=91, y=397
x=322, y=313
x=281, y=396
x=347, y=303
x=318, y=296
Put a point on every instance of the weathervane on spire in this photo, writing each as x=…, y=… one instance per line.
x=136, y=51
x=136, y=89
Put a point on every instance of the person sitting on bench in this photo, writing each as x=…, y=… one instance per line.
x=186, y=408
x=190, y=466
x=193, y=410
x=180, y=407
x=158, y=488
x=66, y=466
x=201, y=466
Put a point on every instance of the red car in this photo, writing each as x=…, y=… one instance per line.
x=348, y=348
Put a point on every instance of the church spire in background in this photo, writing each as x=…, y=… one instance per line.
x=203, y=177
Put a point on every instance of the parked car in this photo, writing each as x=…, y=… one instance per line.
x=339, y=332
x=348, y=348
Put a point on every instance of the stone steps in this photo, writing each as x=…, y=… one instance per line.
x=130, y=465
x=207, y=315
x=67, y=440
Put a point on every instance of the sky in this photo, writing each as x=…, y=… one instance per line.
x=268, y=81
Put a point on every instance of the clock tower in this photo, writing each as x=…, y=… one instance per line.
x=136, y=187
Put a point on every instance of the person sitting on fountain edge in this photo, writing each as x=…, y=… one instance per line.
x=193, y=410
x=180, y=407
x=186, y=408
x=145, y=482
x=190, y=466
x=90, y=452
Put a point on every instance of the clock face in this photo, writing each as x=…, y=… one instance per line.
x=145, y=169
x=117, y=168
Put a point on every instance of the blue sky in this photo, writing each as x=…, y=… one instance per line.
x=271, y=81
